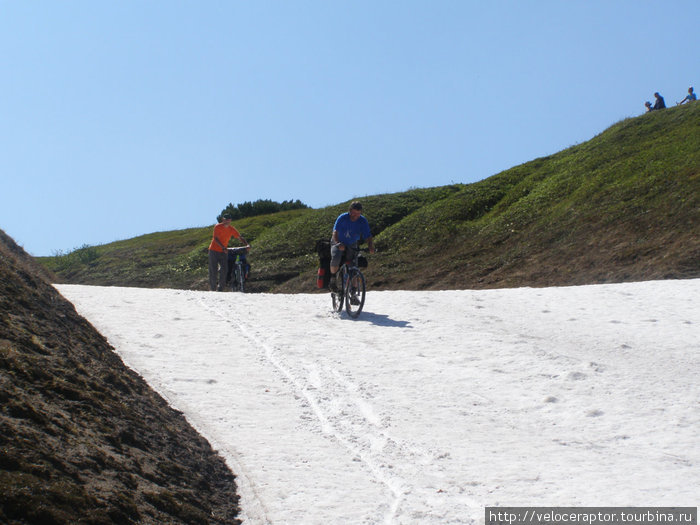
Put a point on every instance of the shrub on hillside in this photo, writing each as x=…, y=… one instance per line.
x=260, y=207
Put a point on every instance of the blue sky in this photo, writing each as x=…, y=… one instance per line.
x=124, y=118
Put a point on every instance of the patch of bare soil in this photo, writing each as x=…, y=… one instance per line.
x=83, y=439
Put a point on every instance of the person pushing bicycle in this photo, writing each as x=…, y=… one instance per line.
x=218, y=252
x=348, y=230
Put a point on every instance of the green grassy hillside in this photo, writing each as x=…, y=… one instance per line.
x=623, y=206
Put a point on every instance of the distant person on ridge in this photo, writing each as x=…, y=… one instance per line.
x=348, y=230
x=689, y=98
x=647, y=105
x=659, y=104
x=218, y=252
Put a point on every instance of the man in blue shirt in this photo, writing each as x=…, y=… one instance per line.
x=348, y=230
x=689, y=98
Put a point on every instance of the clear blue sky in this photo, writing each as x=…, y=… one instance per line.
x=124, y=118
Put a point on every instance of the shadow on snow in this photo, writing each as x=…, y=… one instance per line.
x=381, y=320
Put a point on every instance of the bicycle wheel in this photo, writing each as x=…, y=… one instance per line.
x=355, y=293
x=338, y=297
x=236, y=280
x=241, y=277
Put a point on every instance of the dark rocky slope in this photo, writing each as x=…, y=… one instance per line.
x=83, y=439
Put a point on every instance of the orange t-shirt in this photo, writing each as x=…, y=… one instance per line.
x=224, y=234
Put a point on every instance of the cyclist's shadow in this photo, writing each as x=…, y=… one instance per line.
x=382, y=320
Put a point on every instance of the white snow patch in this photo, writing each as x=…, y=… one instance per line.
x=432, y=405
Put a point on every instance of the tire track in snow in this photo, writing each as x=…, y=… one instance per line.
x=252, y=506
x=335, y=401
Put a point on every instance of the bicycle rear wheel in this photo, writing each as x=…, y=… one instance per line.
x=355, y=293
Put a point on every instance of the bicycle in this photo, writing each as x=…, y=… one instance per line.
x=237, y=257
x=351, y=286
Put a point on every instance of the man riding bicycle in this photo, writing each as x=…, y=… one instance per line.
x=348, y=230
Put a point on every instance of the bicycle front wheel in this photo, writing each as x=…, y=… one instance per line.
x=355, y=294
x=338, y=297
x=338, y=301
x=234, y=280
x=241, y=278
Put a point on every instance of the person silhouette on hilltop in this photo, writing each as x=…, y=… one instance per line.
x=689, y=97
x=659, y=104
x=647, y=105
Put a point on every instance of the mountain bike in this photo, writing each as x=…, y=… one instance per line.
x=351, y=286
x=238, y=267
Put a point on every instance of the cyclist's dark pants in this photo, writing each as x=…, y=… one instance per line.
x=217, y=270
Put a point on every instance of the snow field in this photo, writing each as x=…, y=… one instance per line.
x=432, y=405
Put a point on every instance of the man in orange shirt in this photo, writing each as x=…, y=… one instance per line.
x=218, y=252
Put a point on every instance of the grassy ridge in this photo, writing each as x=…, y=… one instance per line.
x=621, y=206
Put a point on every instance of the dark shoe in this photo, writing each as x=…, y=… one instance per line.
x=333, y=283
